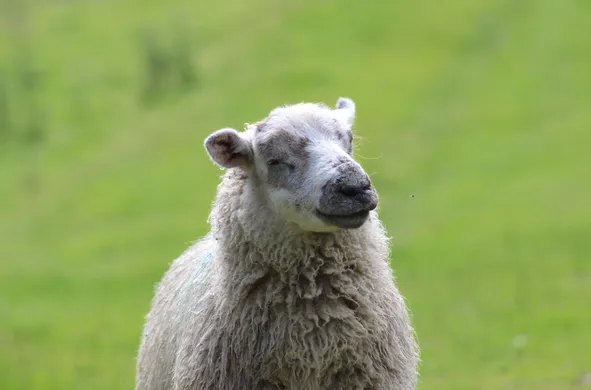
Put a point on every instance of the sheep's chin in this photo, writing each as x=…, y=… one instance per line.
x=302, y=217
x=347, y=221
x=308, y=221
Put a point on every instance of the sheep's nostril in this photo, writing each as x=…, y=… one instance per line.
x=349, y=190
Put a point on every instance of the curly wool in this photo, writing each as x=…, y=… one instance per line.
x=257, y=304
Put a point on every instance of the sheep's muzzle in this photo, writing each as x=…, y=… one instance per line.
x=348, y=198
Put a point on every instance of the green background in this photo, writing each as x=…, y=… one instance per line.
x=473, y=121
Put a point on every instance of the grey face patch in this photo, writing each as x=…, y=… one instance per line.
x=286, y=157
x=345, y=138
x=349, y=142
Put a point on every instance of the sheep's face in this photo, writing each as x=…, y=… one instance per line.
x=300, y=157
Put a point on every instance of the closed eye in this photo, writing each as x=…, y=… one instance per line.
x=275, y=163
x=350, y=145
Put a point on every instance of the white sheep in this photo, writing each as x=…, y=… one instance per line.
x=291, y=289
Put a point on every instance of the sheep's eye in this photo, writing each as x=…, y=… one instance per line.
x=276, y=163
x=350, y=145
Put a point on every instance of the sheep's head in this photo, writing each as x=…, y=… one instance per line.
x=300, y=157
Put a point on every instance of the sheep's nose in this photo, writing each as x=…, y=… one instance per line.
x=360, y=192
x=352, y=190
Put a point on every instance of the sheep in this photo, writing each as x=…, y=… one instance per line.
x=291, y=288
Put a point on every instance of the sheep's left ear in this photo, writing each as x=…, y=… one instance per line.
x=228, y=148
x=346, y=107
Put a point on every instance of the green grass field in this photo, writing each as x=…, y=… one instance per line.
x=474, y=122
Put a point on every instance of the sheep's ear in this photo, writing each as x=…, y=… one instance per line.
x=228, y=148
x=346, y=107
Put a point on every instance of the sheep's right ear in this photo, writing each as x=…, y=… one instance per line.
x=346, y=106
x=228, y=148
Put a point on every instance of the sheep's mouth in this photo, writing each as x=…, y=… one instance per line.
x=345, y=221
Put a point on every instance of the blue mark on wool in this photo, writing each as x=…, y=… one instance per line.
x=202, y=266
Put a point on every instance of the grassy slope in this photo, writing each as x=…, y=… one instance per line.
x=476, y=108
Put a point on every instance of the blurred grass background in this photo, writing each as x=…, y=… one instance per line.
x=474, y=123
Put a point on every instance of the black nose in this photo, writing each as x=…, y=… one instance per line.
x=354, y=190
